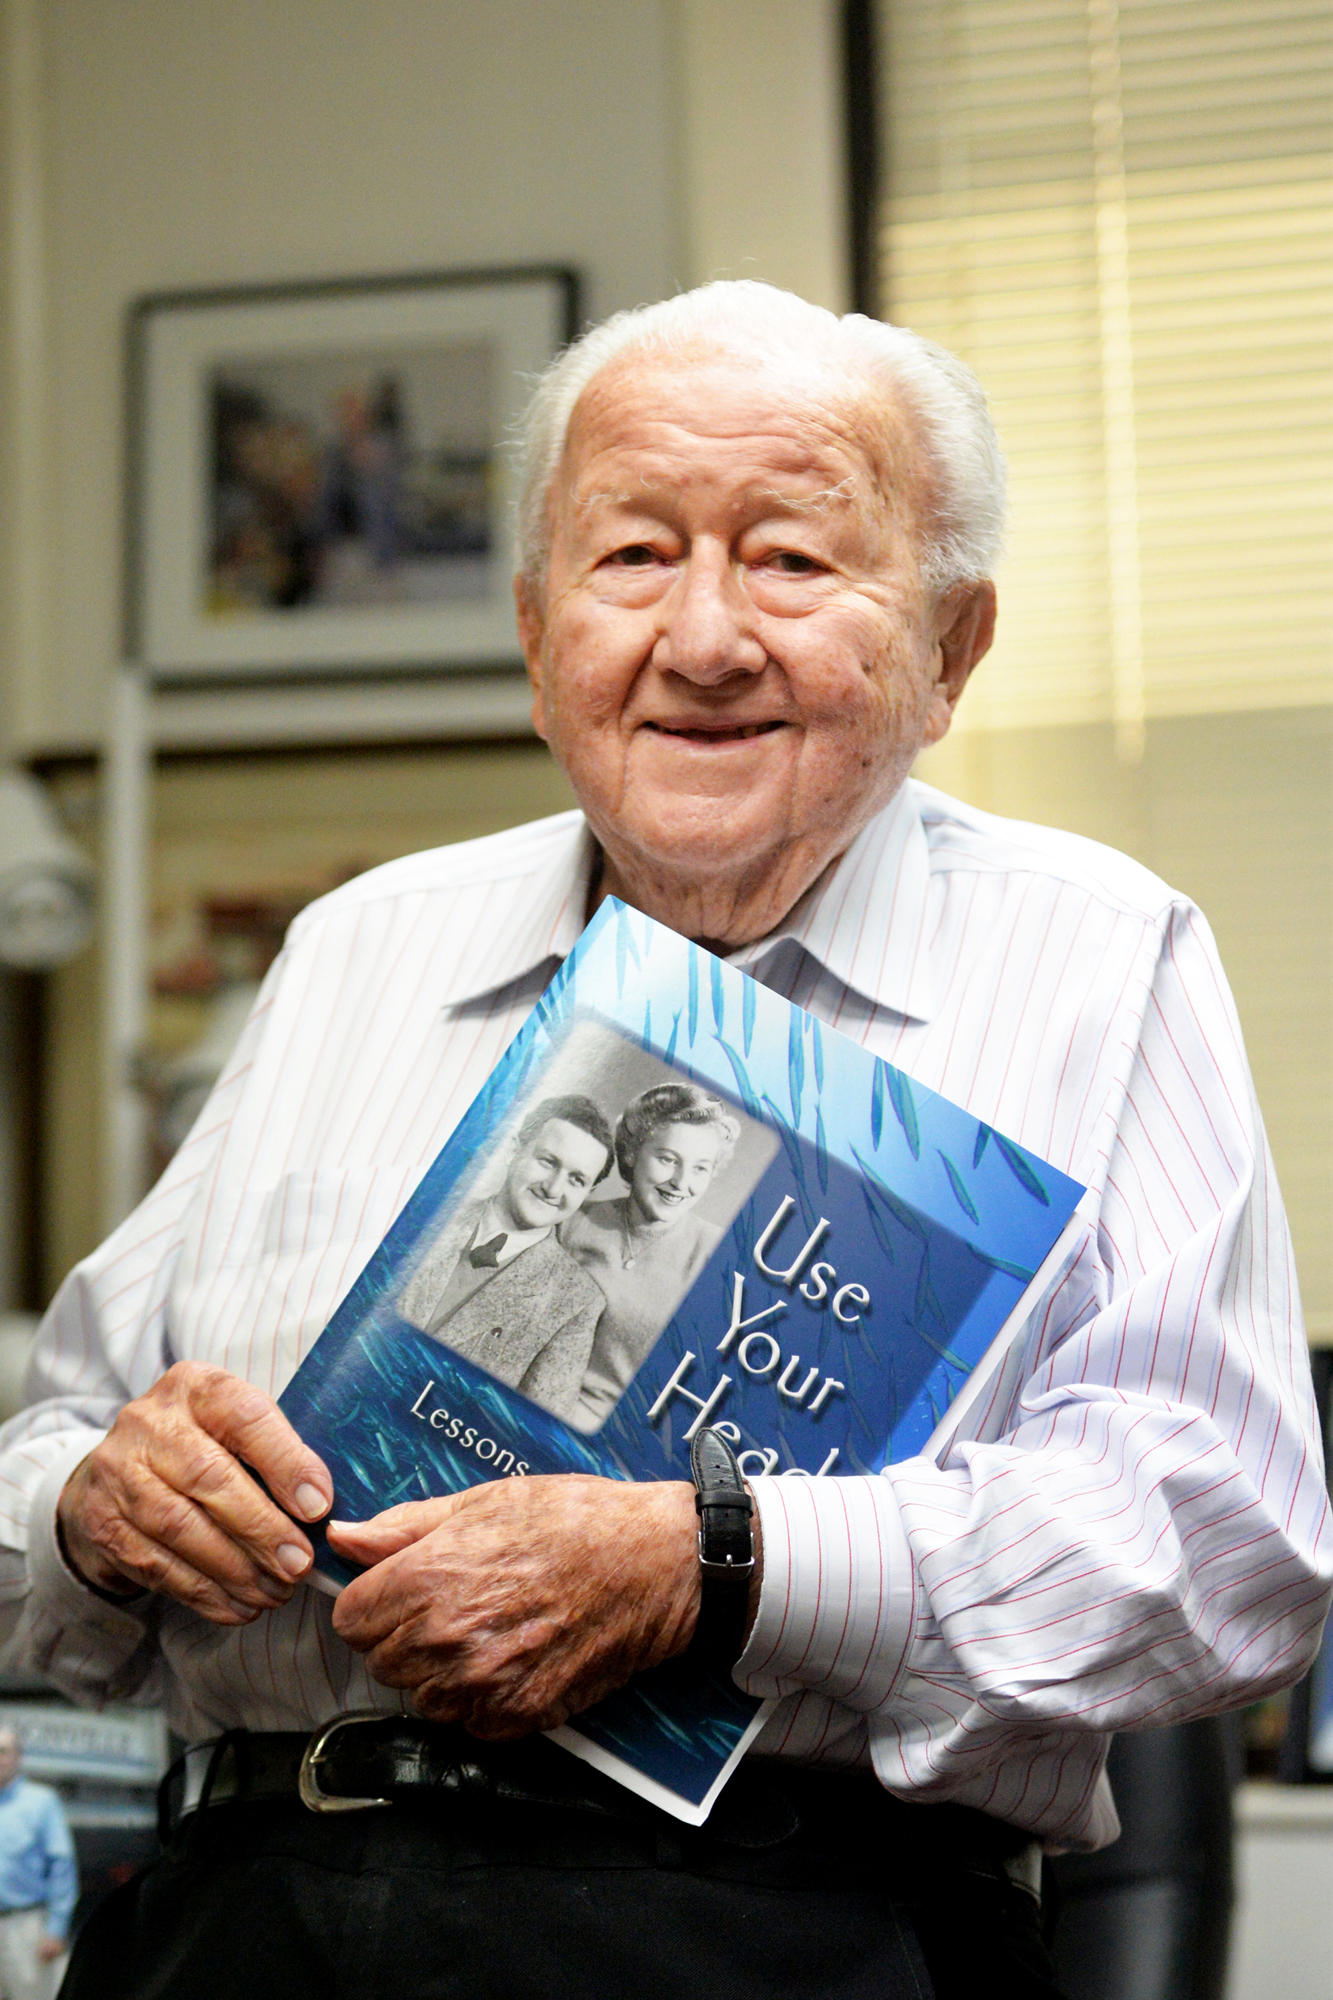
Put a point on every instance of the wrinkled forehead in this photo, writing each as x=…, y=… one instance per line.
x=810, y=431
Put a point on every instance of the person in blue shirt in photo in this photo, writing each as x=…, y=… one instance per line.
x=39, y=1881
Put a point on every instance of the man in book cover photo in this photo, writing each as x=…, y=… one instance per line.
x=498, y=1287
x=757, y=545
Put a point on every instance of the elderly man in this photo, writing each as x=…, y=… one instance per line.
x=756, y=551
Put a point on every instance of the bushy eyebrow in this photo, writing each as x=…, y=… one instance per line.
x=603, y=496
x=786, y=503
x=810, y=503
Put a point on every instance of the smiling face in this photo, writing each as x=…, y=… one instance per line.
x=673, y=1168
x=734, y=655
x=552, y=1175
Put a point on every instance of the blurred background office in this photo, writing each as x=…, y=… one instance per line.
x=1118, y=211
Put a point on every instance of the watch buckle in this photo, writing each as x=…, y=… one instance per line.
x=728, y=1568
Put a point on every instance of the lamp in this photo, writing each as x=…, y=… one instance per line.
x=46, y=883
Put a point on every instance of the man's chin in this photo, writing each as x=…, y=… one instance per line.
x=702, y=836
x=546, y=1220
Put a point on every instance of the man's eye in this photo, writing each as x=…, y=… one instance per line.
x=792, y=563
x=637, y=556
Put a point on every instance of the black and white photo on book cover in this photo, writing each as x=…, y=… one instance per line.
x=588, y=1219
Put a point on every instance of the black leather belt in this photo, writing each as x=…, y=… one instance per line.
x=362, y=1761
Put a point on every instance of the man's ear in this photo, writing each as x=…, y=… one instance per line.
x=531, y=631
x=964, y=630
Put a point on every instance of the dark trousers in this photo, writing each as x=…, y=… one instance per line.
x=511, y=1900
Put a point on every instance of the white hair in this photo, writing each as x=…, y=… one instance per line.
x=942, y=395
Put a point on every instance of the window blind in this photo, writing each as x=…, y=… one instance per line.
x=1120, y=212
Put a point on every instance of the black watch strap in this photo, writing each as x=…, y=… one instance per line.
x=726, y=1551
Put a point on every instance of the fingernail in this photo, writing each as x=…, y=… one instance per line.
x=344, y=1527
x=295, y=1561
x=310, y=1502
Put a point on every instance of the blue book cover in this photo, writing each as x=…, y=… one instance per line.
x=678, y=1199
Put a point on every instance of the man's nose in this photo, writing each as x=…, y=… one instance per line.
x=709, y=623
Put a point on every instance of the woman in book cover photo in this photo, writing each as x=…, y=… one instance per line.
x=496, y=1285
x=646, y=1249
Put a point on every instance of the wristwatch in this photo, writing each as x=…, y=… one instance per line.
x=726, y=1551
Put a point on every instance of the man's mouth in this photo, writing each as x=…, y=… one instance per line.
x=714, y=733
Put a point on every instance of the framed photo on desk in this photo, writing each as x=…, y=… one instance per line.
x=318, y=479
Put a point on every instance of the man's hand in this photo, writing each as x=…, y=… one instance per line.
x=515, y=1605
x=165, y=1501
x=50, y=1948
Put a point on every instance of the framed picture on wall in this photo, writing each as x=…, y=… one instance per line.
x=319, y=478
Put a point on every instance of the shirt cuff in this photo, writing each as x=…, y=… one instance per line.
x=59, y=1590
x=838, y=1591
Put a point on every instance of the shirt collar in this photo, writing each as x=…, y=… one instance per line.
x=546, y=923
x=865, y=917
x=863, y=920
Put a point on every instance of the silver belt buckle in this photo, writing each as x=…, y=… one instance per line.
x=317, y=1752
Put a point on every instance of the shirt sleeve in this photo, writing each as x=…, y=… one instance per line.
x=62, y=1872
x=1137, y=1531
x=102, y=1343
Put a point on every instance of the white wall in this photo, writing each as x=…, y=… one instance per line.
x=153, y=144
x=186, y=143
x=763, y=159
x=1280, y=1944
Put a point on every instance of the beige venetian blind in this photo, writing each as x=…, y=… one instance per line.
x=1122, y=216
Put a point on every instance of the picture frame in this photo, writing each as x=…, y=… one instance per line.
x=318, y=479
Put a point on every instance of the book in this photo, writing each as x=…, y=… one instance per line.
x=678, y=1199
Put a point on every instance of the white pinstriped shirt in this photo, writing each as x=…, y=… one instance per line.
x=1134, y=1528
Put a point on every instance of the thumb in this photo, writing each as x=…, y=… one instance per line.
x=396, y=1528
